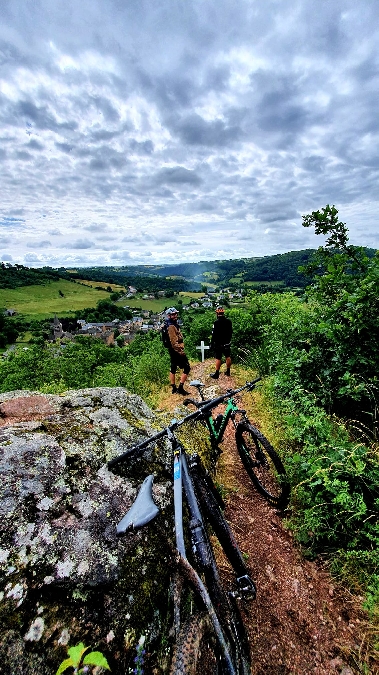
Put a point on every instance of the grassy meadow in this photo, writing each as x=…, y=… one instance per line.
x=158, y=304
x=42, y=302
x=101, y=284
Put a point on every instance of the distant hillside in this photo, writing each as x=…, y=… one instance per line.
x=276, y=269
x=14, y=276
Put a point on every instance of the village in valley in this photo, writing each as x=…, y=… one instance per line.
x=143, y=320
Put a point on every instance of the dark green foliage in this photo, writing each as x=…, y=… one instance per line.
x=322, y=354
x=86, y=362
x=8, y=330
x=14, y=276
x=282, y=267
x=143, y=278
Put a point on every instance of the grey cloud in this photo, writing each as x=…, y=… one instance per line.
x=95, y=227
x=142, y=147
x=106, y=108
x=24, y=156
x=41, y=117
x=195, y=130
x=45, y=243
x=35, y=145
x=120, y=255
x=6, y=257
x=65, y=147
x=177, y=174
x=81, y=243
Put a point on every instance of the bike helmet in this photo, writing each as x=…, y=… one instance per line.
x=219, y=310
x=171, y=310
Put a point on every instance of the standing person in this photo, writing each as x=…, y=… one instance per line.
x=178, y=357
x=221, y=336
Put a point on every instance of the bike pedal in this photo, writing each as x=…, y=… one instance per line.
x=247, y=588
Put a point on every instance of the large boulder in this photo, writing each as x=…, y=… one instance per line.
x=65, y=577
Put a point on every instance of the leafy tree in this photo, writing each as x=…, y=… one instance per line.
x=8, y=330
x=343, y=360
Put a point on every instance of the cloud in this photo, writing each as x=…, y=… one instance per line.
x=182, y=124
x=45, y=243
x=177, y=174
x=80, y=243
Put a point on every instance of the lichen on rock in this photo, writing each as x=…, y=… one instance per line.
x=65, y=577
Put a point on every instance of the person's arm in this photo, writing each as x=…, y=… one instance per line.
x=212, y=345
x=176, y=339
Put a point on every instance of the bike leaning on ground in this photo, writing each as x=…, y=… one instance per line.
x=210, y=636
x=261, y=461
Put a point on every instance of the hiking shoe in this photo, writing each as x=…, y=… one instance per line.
x=227, y=372
x=182, y=391
x=215, y=375
x=174, y=389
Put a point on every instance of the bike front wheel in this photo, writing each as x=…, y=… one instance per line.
x=263, y=465
x=196, y=651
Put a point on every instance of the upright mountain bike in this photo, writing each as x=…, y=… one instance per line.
x=259, y=458
x=209, y=632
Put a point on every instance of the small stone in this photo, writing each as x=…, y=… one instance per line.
x=36, y=630
x=64, y=637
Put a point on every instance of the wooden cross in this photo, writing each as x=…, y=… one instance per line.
x=202, y=348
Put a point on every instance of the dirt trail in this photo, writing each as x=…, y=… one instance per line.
x=301, y=623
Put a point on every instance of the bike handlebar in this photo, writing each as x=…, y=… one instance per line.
x=202, y=406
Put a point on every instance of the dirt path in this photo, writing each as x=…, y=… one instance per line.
x=300, y=622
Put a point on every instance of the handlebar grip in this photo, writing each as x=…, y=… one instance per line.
x=187, y=401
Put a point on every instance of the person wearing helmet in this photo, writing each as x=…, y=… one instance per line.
x=178, y=357
x=220, y=342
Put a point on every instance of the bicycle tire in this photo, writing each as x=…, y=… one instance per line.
x=263, y=465
x=196, y=650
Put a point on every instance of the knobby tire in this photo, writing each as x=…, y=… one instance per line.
x=263, y=465
x=196, y=651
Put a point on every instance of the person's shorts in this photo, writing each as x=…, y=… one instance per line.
x=179, y=361
x=220, y=350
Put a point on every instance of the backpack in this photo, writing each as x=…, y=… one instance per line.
x=165, y=336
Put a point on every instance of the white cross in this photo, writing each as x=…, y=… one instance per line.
x=202, y=348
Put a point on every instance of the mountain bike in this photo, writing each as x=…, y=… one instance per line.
x=209, y=633
x=261, y=461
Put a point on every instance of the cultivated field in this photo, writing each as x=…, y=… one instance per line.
x=158, y=304
x=42, y=302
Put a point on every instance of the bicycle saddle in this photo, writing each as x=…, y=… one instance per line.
x=142, y=511
x=196, y=383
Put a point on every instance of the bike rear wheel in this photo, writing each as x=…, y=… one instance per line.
x=263, y=465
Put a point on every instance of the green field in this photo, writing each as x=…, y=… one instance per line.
x=101, y=284
x=158, y=304
x=42, y=302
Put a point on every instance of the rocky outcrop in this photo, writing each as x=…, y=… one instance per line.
x=65, y=577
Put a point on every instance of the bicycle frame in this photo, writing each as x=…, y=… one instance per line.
x=144, y=510
x=217, y=432
x=182, y=479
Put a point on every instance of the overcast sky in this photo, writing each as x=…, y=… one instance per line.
x=134, y=131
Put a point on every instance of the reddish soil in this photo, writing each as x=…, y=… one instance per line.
x=301, y=623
